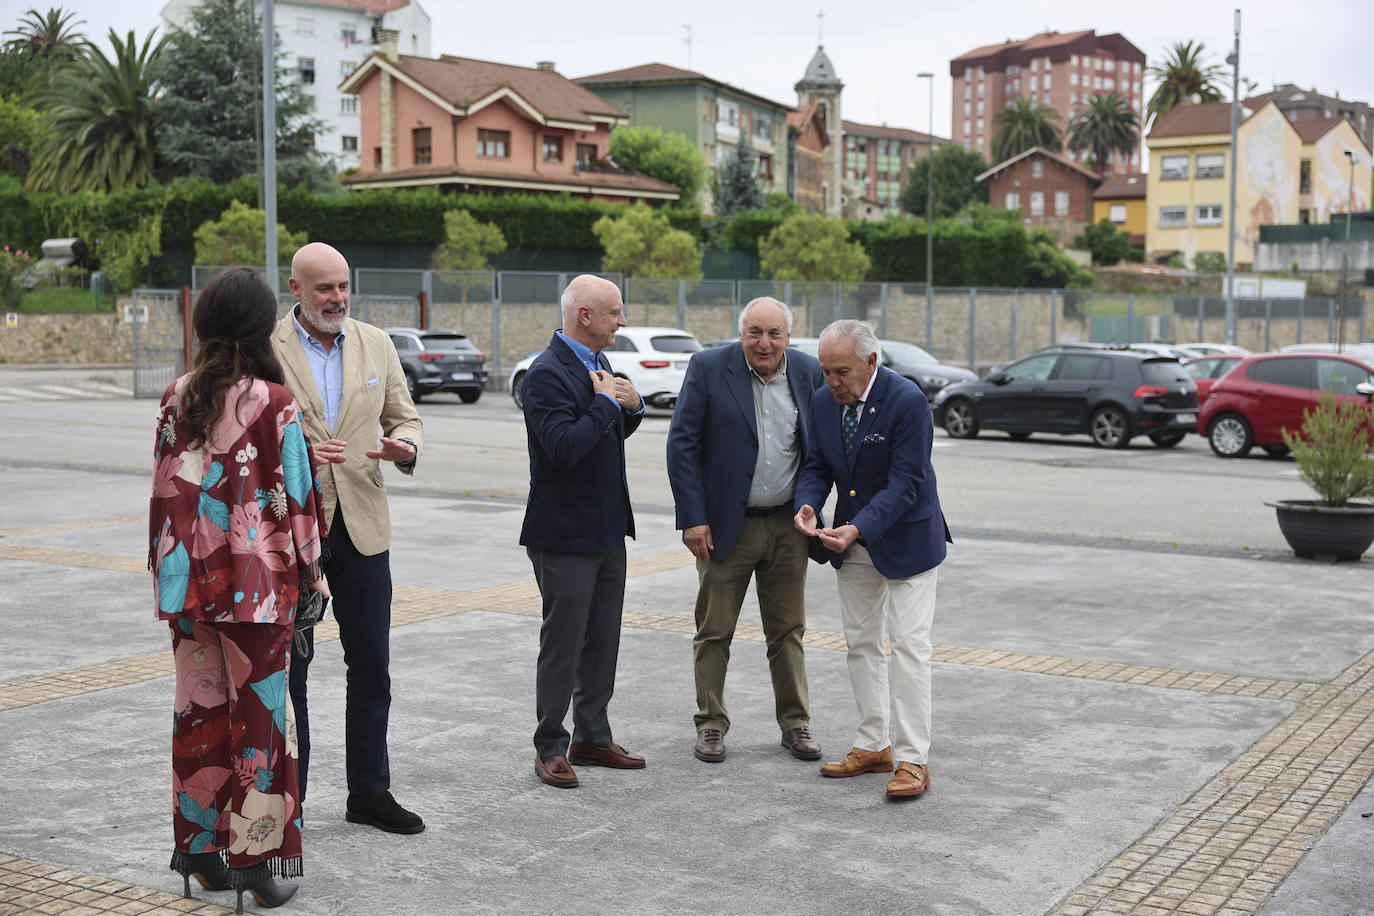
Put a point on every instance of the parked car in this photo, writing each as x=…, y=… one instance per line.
x=1113, y=394
x=653, y=359
x=1160, y=349
x=440, y=360
x=1205, y=370
x=907, y=360
x=1214, y=349
x=1268, y=393
x=1361, y=351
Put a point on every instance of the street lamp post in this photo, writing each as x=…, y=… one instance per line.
x=1345, y=256
x=1234, y=60
x=930, y=207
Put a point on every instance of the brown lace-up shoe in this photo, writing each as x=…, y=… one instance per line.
x=859, y=761
x=910, y=779
x=710, y=745
x=801, y=744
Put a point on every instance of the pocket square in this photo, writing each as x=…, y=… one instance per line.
x=372, y=381
x=873, y=439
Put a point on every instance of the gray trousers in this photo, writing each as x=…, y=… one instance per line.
x=579, y=642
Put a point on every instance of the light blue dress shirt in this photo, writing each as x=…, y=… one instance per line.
x=326, y=367
x=589, y=359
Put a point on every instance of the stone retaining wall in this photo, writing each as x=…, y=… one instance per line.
x=67, y=337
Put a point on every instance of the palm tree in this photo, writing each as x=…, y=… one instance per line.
x=100, y=120
x=1105, y=125
x=1183, y=77
x=1023, y=126
x=47, y=35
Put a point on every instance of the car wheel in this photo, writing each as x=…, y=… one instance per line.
x=1110, y=428
x=960, y=419
x=413, y=387
x=470, y=397
x=1230, y=436
x=517, y=389
x=1275, y=451
x=1167, y=439
x=1019, y=437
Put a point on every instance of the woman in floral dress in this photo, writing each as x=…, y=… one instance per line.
x=235, y=528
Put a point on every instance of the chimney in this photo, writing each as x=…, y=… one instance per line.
x=544, y=65
x=388, y=39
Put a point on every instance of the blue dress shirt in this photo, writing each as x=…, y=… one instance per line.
x=326, y=367
x=593, y=364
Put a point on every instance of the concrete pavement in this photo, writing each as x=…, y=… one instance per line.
x=1119, y=727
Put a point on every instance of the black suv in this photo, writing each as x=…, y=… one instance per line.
x=440, y=360
x=1110, y=393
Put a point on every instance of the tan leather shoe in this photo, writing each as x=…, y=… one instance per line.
x=556, y=772
x=910, y=779
x=710, y=745
x=859, y=761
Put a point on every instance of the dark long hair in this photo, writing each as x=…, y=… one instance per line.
x=233, y=319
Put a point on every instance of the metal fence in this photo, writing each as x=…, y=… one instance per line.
x=510, y=314
x=159, y=342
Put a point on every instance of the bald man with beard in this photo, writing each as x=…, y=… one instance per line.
x=357, y=411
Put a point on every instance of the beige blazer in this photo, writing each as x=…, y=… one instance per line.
x=375, y=402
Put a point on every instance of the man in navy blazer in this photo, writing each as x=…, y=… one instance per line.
x=873, y=434
x=577, y=415
x=740, y=431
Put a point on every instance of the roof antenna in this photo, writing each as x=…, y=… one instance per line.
x=820, y=27
x=688, y=40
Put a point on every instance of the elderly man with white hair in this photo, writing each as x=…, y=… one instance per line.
x=577, y=415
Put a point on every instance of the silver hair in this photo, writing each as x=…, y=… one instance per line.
x=862, y=333
x=768, y=300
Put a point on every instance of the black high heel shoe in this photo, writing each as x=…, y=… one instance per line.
x=269, y=894
x=213, y=876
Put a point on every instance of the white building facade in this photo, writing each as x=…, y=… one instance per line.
x=322, y=42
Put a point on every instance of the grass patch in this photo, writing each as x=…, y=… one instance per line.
x=63, y=299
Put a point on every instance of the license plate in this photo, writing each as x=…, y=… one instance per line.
x=1185, y=418
x=680, y=364
x=460, y=377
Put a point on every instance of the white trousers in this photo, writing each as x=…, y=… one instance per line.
x=873, y=608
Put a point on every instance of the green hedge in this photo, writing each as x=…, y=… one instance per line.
x=990, y=255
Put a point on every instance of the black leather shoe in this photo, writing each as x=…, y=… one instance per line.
x=710, y=745
x=270, y=894
x=382, y=812
x=801, y=744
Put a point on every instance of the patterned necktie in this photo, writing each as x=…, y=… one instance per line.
x=848, y=427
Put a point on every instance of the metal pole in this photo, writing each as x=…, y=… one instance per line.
x=1234, y=60
x=269, y=141
x=930, y=198
x=972, y=322
x=1345, y=256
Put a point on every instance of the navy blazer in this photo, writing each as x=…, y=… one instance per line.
x=713, y=444
x=579, y=498
x=887, y=487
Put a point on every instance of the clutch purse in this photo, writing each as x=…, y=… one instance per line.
x=310, y=608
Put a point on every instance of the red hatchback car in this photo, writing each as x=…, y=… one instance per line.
x=1268, y=392
x=1205, y=370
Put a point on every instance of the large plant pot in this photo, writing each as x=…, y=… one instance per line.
x=1315, y=531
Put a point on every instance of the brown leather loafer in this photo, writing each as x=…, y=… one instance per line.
x=556, y=772
x=859, y=761
x=611, y=755
x=710, y=745
x=801, y=744
x=910, y=779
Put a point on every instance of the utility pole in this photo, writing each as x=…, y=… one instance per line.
x=1345, y=256
x=930, y=205
x=1234, y=60
x=269, y=140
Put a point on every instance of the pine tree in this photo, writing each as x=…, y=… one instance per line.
x=735, y=187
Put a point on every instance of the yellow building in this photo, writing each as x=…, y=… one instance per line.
x=1324, y=172
x=1186, y=200
x=1121, y=199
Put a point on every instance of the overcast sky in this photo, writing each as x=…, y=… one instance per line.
x=877, y=46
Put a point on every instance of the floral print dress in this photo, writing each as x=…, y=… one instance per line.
x=231, y=524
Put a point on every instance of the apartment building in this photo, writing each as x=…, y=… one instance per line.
x=323, y=41
x=1300, y=105
x=877, y=158
x=710, y=113
x=1061, y=70
x=1048, y=190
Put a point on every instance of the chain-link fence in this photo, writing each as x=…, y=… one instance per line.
x=510, y=314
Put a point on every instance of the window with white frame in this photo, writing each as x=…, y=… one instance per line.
x=348, y=104
x=966, y=129
x=1035, y=64
x=968, y=108
x=1037, y=203
x=980, y=107
x=350, y=144
x=1109, y=66
x=1108, y=83
x=305, y=66
x=1061, y=203
x=980, y=125
x=1035, y=82
x=346, y=67
x=1037, y=168
x=968, y=73
x=1073, y=79
x=305, y=25
x=1013, y=200
x=763, y=126
x=1047, y=80
x=1117, y=213
x=1208, y=215
x=968, y=91
x=1173, y=168
x=1173, y=217
x=1211, y=165
x=727, y=116
x=1073, y=60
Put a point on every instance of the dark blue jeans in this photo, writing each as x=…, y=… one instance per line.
x=361, y=605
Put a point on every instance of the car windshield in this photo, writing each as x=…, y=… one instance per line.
x=674, y=344
x=442, y=341
x=906, y=353
x=1162, y=371
x=1201, y=369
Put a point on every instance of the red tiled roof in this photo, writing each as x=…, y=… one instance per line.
x=1038, y=151
x=642, y=72
x=592, y=182
x=371, y=6
x=1042, y=41
x=894, y=133
x=1313, y=129
x=1202, y=118
x=460, y=81
x=1122, y=187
